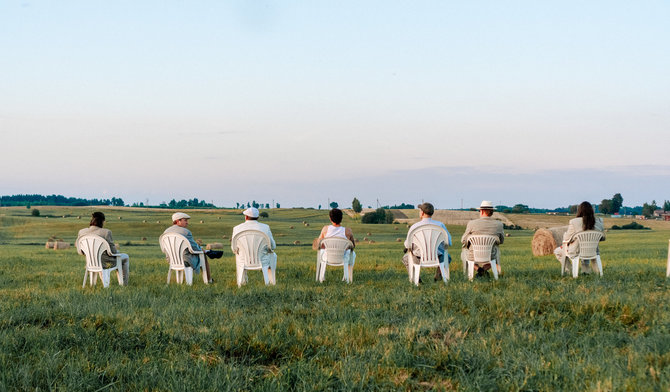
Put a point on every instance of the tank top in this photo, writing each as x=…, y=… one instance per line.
x=335, y=232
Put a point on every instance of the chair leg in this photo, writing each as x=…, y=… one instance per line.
x=95, y=278
x=188, y=274
x=169, y=272
x=494, y=267
x=465, y=267
x=444, y=271
x=599, y=264
x=240, y=275
x=471, y=270
x=322, y=275
x=416, y=275
x=575, y=267
x=85, y=276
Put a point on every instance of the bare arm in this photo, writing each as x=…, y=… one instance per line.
x=350, y=236
x=315, y=244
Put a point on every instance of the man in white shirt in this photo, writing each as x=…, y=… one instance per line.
x=268, y=257
x=426, y=211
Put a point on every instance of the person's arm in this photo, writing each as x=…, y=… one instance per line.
x=569, y=233
x=322, y=235
x=600, y=226
x=110, y=240
x=350, y=236
x=194, y=245
x=466, y=235
x=501, y=233
x=273, y=244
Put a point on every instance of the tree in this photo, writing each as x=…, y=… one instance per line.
x=519, y=209
x=254, y=204
x=666, y=205
x=573, y=209
x=333, y=204
x=617, y=202
x=35, y=212
x=356, y=206
x=606, y=207
x=380, y=215
x=277, y=205
x=648, y=209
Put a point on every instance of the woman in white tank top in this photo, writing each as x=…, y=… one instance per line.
x=336, y=230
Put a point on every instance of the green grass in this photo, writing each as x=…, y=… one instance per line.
x=531, y=330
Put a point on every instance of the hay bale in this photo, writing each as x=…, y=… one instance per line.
x=291, y=227
x=219, y=217
x=296, y=242
x=369, y=233
x=543, y=243
x=144, y=238
x=49, y=244
x=365, y=238
x=63, y=216
x=119, y=218
x=144, y=221
x=306, y=224
x=214, y=245
x=558, y=232
x=61, y=245
x=371, y=242
x=225, y=237
x=303, y=222
x=78, y=217
x=158, y=221
x=202, y=221
x=507, y=234
x=198, y=241
x=398, y=240
x=395, y=228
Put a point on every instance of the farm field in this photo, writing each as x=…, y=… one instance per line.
x=531, y=330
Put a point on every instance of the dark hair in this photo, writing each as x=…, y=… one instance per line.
x=335, y=215
x=487, y=211
x=97, y=218
x=585, y=211
x=427, y=208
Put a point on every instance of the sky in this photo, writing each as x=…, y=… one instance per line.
x=302, y=103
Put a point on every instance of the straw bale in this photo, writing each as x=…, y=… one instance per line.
x=61, y=245
x=158, y=221
x=296, y=242
x=371, y=242
x=225, y=237
x=144, y=221
x=507, y=234
x=558, y=232
x=202, y=221
x=306, y=224
x=119, y=218
x=144, y=238
x=398, y=240
x=214, y=245
x=49, y=245
x=291, y=227
x=78, y=217
x=199, y=241
x=303, y=222
x=219, y=217
x=365, y=238
x=395, y=228
x=543, y=243
x=369, y=233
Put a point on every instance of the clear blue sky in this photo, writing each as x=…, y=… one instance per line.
x=540, y=103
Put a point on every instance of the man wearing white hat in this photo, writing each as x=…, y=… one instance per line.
x=179, y=226
x=251, y=223
x=485, y=225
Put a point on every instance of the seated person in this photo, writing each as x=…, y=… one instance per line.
x=426, y=211
x=485, y=225
x=179, y=226
x=97, y=220
x=585, y=220
x=268, y=257
x=336, y=230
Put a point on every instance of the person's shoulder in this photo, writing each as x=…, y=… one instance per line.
x=575, y=221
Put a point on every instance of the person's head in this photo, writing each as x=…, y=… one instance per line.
x=335, y=216
x=251, y=213
x=486, y=208
x=180, y=219
x=97, y=219
x=426, y=210
x=585, y=211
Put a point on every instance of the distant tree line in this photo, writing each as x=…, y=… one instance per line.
x=56, y=200
x=191, y=203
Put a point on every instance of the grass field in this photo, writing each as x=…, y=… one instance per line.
x=531, y=330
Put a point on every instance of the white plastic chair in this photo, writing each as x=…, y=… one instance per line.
x=250, y=246
x=427, y=239
x=92, y=247
x=588, y=250
x=335, y=249
x=482, y=246
x=173, y=245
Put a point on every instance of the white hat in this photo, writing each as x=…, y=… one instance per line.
x=179, y=215
x=486, y=205
x=251, y=212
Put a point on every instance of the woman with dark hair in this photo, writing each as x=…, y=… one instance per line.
x=95, y=227
x=336, y=230
x=585, y=220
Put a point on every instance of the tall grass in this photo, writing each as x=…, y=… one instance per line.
x=531, y=330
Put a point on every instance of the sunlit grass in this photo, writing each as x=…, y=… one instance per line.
x=531, y=330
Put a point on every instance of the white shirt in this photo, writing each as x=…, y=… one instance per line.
x=255, y=225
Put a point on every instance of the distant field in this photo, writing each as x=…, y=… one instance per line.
x=531, y=330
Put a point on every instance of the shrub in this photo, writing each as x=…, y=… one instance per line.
x=35, y=212
x=630, y=226
x=512, y=227
x=380, y=215
x=264, y=214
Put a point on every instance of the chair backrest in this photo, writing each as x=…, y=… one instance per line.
x=588, y=243
x=428, y=238
x=482, y=246
x=174, y=245
x=249, y=244
x=335, y=248
x=92, y=246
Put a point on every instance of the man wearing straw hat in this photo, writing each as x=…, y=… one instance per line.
x=179, y=226
x=485, y=225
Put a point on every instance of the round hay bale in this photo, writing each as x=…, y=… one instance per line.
x=63, y=216
x=49, y=245
x=507, y=234
x=61, y=245
x=543, y=243
x=398, y=240
x=306, y=224
x=158, y=221
x=296, y=242
x=558, y=232
x=365, y=238
x=291, y=227
x=303, y=222
x=225, y=237
x=78, y=217
x=214, y=245
x=219, y=218
x=395, y=228
x=202, y=221
x=144, y=238
x=371, y=242
x=369, y=233
x=119, y=218
x=144, y=221
x=199, y=241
